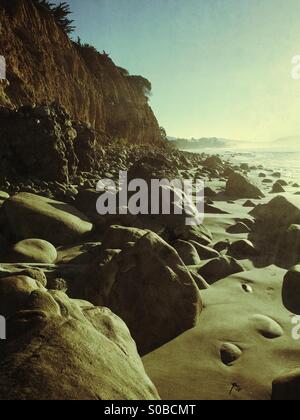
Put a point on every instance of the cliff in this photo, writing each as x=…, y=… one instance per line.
x=44, y=66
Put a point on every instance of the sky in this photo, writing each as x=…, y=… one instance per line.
x=219, y=68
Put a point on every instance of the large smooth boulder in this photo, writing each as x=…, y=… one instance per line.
x=187, y=252
x=286, y=387
x=33, y=251
x=242, y=249
x=277, y=230
x=117, y=237
x=150, y=288
x=238, y=186
x=31, y=216
x=291, y=290
x=62, y=349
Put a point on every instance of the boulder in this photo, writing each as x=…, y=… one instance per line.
x=291, y=290
x=32, y=216
x=242, y=249
x=277, y=229
x=150, y=288
x=187, y=252
x=117, y=237
x=277, y=188
x=287, y=386
x=238, y=186
x=62, y=349
x=249, y=203
x=33, y=251
x=219, y=268
x=213, y=162
x=239, y=227
x=205, y=252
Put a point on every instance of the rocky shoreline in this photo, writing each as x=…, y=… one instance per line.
x=196, y=302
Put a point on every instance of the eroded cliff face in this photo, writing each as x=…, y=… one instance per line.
x=45, y=66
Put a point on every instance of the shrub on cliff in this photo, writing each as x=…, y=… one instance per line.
x=60, y=13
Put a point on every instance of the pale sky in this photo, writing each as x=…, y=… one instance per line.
x=218, y=67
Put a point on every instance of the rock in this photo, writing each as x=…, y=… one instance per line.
x=278, y=214
x=205, y=252
x=187, y=252
x=262, y=175
x=242, y=249
x=221, y=246
x=239, y=227
x=277, y=188
x=267, y=181
x=213, y=162
x=296, y=185
x=199, y=234
x=219, y=268
x=34, y=251
x=276, y=174
x=33, y=216
x=149, y=287
x=209, y=192
x=287, y=386
x=117, y=237
x=249, y=203
x=65, y=349
x=291, y=290
x=244, y=167
x=282, y=182
x=277, y=229
x=239, y=186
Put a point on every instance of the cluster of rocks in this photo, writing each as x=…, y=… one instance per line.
x=63, y=264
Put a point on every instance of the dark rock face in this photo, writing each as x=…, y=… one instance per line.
x=44, y=142
x=45, y=66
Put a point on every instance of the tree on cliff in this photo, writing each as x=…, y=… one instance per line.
x=60, y=13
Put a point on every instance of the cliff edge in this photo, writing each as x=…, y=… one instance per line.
x=44, y=66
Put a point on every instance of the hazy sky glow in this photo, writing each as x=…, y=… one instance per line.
x=218, y=67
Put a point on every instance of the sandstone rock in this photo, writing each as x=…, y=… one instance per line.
x=34, y=251
x=205, y=252
x=117, y=237
x=187, y=252
x=238, y=228
x=239, y=186
x=199, y=234
x=213, y=162
x=249, y=203
x=242, y=249
x=277, y=188
x=65, y=349
x=219, y=268
x=149, y=287
x=291, y=290
x=277, y=229
x=221, y=246
x=32, y=216
x=278, y=214
x=209, y=192
x=287, y=386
